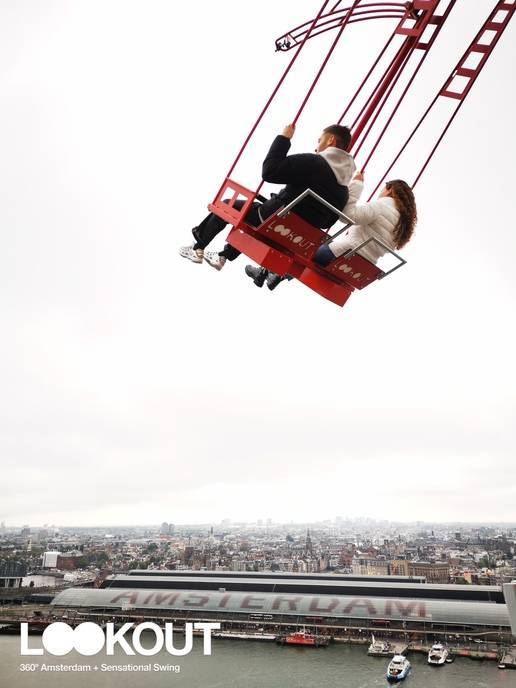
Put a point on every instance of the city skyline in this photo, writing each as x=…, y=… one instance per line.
x=265, y=522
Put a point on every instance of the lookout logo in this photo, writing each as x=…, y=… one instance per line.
x=297, y=239
x=89, y=639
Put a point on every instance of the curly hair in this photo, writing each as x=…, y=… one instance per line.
x=406, y=205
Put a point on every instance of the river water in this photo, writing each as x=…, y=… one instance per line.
x=245, y=664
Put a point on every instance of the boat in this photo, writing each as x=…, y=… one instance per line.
x=303, y=638
x=379, y=648
x=438, y=654
x=398, y=669
x=507, y=660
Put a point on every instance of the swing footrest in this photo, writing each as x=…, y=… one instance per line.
x=329, y=289
x=264, y=255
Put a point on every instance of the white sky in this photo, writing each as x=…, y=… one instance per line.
x=138, y=387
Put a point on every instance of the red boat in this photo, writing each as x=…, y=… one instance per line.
x=303, y=638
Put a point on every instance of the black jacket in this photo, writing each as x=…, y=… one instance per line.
x=301, y=172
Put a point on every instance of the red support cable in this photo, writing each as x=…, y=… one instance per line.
x=321, y=69
x=426, y=47
x=402, y=150
x=373, y=92
x=325, y=61
x=393, y=73
x=276, y=89
x=413, y=34
x=441, y=137
x=382, y=104
x=359, y=89
x=393, y=113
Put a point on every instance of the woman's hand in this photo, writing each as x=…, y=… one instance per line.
x=359, y=177
x=289, y=131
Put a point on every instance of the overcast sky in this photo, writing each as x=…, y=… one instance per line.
x=139, y=387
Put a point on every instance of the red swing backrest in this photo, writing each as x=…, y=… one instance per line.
x=356, y=271
x=293, y=233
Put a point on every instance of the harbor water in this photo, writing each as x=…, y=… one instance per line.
x=244, y=664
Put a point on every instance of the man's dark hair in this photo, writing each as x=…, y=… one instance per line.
x=342, y=135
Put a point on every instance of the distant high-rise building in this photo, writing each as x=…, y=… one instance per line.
x=167, y=528
x=309, y=548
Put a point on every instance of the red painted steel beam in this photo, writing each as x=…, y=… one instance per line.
x=413, y=34
x=276, y=89
x=438, y=22
x=444, y=91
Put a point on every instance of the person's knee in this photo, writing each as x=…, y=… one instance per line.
x=323, y=256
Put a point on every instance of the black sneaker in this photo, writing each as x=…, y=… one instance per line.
x=258, y=275
x=273, y=280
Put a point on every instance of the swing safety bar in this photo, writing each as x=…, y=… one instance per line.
x=354, y=251
x=320, y=199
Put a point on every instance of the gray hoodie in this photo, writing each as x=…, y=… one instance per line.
x=341, y=163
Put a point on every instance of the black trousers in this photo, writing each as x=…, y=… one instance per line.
x=212, y=225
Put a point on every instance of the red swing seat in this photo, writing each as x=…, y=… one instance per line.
x=285, y=244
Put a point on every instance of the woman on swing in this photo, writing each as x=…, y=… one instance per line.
x=391, y=218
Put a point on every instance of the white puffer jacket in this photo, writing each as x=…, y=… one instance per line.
x=377, y=218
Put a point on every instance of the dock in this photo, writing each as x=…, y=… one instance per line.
x=398, y=647
x=271, y=637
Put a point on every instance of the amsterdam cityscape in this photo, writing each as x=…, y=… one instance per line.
x=359, y=588
x=441, y=553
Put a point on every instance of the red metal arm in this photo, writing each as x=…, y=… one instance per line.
x=460, y=70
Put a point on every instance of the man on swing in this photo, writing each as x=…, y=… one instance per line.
x=327, y=172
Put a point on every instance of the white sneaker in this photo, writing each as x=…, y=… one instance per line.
x=194, y=254
x=213, y=259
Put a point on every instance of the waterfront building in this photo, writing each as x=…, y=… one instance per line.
x=12, y=573
x=341, y=603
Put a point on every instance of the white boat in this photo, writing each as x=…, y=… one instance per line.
x=438, y=654
x=379, y=648
x=398, y=669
